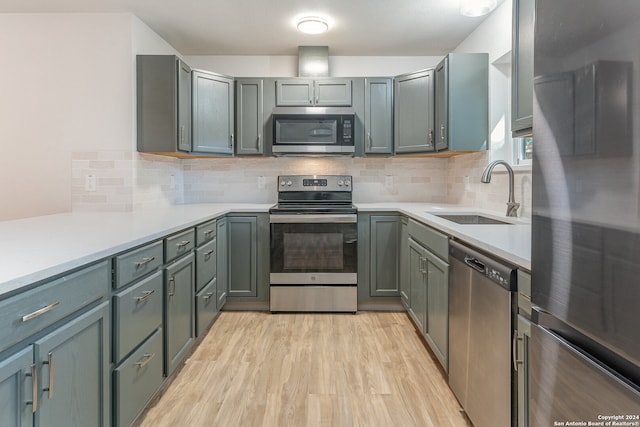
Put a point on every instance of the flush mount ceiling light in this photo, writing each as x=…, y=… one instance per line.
x=312, y=25
x=475, y=8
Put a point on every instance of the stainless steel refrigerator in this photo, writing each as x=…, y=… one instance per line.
x=585, y=342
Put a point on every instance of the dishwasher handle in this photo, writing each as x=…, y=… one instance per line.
x=474, y=263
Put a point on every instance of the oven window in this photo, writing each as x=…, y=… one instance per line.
x=304, y=251
x=314, y=248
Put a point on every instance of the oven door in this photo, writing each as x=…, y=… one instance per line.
x=316, y=249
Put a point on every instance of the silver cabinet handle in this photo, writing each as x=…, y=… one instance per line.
x=40, y=312
x=231, y=141
x=369, y=140
x=209, y=253
x=207, y=232
x=172, y=291
x=146, y=358
x=430, y=136
x=50, y=363
x=442, y=132
x=514, y=350
x=208, y=296
x=145, y=296
x=34, y=385
x=311, y=101
x=259, y=143
x=144, y=261
x=183, y=243
x=182, y=134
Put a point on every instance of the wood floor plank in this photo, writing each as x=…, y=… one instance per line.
x=258, y=369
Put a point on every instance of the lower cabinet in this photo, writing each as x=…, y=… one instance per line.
x=222, y=281
x=522, y=365
x=16, y=388
x=384, y=255
x=404, y=285
x=179, y=311
x=206, y=307
x=136, y=380
x=428, y=287
x=72, y=366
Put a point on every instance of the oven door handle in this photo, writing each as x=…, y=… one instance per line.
x=313, y=218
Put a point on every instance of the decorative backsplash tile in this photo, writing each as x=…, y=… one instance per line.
x=128, y=180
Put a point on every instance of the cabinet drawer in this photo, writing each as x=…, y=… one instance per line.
x=29, y=312
x=136, y=263
x=205, y=264
x=206, y=307
x=205, y=232
x=137, y=312
x=137, y=379
x=436, y=242
x=179, y=244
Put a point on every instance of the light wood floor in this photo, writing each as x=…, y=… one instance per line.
x=261, y=369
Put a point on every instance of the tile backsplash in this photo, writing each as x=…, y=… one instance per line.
x=126, y=180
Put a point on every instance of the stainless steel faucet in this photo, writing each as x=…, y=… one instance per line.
x=512, y=206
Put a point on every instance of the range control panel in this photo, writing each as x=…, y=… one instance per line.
x=314, y=183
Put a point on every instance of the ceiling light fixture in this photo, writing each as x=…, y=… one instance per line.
x=475, y=8
x=312, y=25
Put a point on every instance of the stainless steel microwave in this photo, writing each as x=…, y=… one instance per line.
x=313, y=134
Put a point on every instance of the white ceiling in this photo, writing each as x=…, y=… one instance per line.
x=255, y=27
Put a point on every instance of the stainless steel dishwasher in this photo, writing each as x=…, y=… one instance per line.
x=480, y=328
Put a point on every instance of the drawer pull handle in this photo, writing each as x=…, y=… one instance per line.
x=146, y=358
x=34, y=385
x=172, y=289
x=209, y=253
x=40, y=312
x=208, y=296
x=183, y=243
x=50, y=363
x=145, y=296
x=144, y=261
x=207, y=232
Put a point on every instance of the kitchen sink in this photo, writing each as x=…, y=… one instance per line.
x=471, y=219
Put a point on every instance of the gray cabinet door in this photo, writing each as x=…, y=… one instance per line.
x=222, y=277
x=522, y=365
x=16, y=388
x=73, y=365
x=333, y=93
x=522, y=67
x=437, y=326
x=184, y=106
x=179, y=312
x=294, y=93
x=212, y=113
x=442, y=105
x=418, y=284
x=462, y=102
x=413, y=113
x=378, y=116
x=405, y=290
x=249, y=117
x=243, y=256
x=384, y=252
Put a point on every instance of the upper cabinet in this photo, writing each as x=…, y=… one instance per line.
x=164, y=104
x=213, y=116
x=378, y=116
x=249, y=116
x=314, y=93
x=413, y=114
x=522, y=67
x=462, y=102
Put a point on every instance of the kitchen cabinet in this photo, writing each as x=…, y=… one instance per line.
x=206, y=276
x=378, y=116
x=462, y=102
x=16, y=389
x=213, y=113
x=405, y=290
x=522, y=67
x=413, y=112
x=163, y=104
x=222, y=281
x=79, y=346
x=384, y=255
x=521, y=350
x=428, y=276
x=248, y=260
x=249, y=117
x=179, y=310
x=330, y=92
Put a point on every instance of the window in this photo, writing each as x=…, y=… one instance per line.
x=523, y=151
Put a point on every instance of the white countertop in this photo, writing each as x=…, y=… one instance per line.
x=33, y=249
x=510, y=242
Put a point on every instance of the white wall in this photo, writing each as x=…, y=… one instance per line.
x=287, y=66
x=66, y=86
